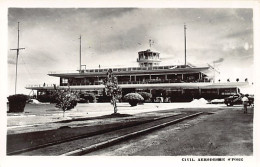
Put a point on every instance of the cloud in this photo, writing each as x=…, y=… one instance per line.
x=112, y=36
x=240, y=34
x=246, y=46
x=11, y=62
x=218, y=60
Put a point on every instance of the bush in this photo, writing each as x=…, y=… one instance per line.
x=147, y=96
x=47, y=98
x=133, y=98
x=88, y=97
x=17, y=102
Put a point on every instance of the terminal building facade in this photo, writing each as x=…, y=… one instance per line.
x=170, y=83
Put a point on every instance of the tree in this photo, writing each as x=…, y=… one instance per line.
x=237, y=79
x=66, y=99
x=112, y=89
x=228, y=80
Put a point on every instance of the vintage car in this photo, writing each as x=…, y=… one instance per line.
x=237, y=99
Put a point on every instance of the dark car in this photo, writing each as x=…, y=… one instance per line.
x=237, y=99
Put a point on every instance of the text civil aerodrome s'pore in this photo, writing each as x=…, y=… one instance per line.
x=212, y=159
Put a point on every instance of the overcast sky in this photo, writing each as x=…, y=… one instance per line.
x=111, y=37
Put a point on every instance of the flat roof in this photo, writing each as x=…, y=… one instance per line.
x=133, y=71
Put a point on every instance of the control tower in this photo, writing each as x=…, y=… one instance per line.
x=148, y=58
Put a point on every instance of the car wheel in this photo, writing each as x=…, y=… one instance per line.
x=229, y=104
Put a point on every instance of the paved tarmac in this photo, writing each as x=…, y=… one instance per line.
x=226, y=132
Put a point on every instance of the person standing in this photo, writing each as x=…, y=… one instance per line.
x=245, y=101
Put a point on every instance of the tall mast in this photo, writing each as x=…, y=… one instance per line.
x=17, y=53
x=80, y=53
x=185, y=43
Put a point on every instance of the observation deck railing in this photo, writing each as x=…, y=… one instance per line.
x=102, y=70
x=152, y=81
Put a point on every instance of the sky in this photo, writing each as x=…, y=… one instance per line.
x=111, y=37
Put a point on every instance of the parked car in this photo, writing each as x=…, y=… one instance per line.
x=158, y=100
x=237, y=99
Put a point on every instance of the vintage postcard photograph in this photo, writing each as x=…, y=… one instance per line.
x=131, y=81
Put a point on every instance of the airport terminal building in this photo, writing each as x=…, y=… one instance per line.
x=174, y=82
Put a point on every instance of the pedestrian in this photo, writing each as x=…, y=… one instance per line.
x=245, y=101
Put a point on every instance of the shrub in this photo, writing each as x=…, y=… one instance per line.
x=47, y=98
x=89, y=97
x=133, y=98
x=17, y=102
x=147, y=96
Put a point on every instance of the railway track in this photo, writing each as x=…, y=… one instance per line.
x=83, y=144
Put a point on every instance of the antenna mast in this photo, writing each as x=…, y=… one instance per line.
x=17, y=53
x=80, y=53
x=185, y=42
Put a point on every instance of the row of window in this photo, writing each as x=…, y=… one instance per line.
x=135, y=68
x=148, y=64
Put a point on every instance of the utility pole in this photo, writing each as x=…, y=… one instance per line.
x=17, y=53
x=80, y=53
x=185, y=43
x=214, y=79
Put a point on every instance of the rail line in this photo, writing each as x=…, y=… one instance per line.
x=142, y=128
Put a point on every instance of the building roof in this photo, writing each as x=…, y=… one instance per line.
x=147, y=51
x=134, y=71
